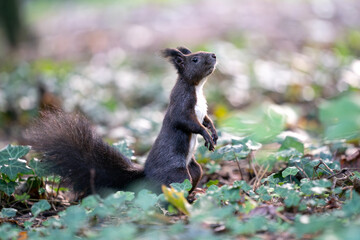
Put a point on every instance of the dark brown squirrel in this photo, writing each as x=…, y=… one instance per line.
x=72, y=149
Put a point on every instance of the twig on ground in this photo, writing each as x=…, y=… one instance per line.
x=329, y=170
x=343, y=171
x=238, y=164
x=327, y=167
x=301, y=170
x=250, y=158
x=281, y=216
x=257, y=179
x=257, y=184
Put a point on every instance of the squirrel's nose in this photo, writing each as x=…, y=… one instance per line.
x=213, y=55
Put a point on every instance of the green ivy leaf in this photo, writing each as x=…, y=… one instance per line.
x=39, y=207
x=91, y=201
x=292, y=143
x=75, y=218
x=318, y=190
x=22, y=197
x=13, y=152
x=251, y=226
x=207, y=211
x=242, y=185
x=10, y=164
x=230, y=148
x=103, y=211
x=262, y=126
x=8, y=231
x=273, y=179
x=145, y=199
x=324, y=183
x=293, y=199
x=28, y=224
x=212, y=182
x=129, y=196
x=311, y=224
x=238, y=148
x=288, y=154
x=340, y=117
x=212, y=167
x=352, y=206
x=8, y=212
x=215, y=155
x=306, y=186
x=338, y=190
x=13, y=167
x=231, y=152
x=252, y=145
x=7, y=188
x=263, y=192
x=230, y=194
x=38, y=167
x=290, y=171
x=201, y=151
x=212, y=188
x=281, y=191
x=115, y=200
x=229, y=156
x=123, y=147
x=182, y=187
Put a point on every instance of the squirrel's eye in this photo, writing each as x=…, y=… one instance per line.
x=194, y=59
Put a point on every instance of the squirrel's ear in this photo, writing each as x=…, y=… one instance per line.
x=184, y=50
x=176, y=57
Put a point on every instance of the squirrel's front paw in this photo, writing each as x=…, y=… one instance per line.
x=209, y=143
x=214, y=137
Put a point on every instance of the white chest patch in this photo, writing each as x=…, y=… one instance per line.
x=200, y=111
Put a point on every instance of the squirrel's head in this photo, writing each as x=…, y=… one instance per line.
x=193, y=67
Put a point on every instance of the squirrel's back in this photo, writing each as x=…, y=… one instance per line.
x=72, y=149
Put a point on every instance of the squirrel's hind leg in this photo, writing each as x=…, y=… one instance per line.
x=176, y=175
x=195, y=173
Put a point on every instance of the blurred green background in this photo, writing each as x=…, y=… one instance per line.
x=285, y=67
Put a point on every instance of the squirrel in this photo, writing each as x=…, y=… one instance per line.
x=71, y=148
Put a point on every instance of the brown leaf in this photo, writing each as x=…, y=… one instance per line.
x=22, y=236
x=351, y=159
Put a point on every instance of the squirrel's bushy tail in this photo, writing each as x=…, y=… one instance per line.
x=72, y=149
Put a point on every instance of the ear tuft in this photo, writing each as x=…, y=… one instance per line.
x=175, y=56
x=170, y=53
x=184, y=50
